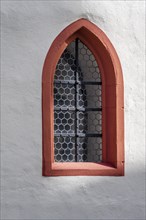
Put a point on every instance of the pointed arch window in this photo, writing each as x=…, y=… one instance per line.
x=77, y=106
x=82, y=104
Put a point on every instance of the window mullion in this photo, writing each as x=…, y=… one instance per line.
x=76, y=99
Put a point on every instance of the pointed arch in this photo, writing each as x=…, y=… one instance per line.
x=112, y=101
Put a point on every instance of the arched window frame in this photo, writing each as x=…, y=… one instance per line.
x=112, y=103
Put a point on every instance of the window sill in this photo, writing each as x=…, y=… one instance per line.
x=84, y=169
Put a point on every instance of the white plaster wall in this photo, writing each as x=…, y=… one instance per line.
x=28, y=29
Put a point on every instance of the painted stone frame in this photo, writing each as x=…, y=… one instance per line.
x=112, y=104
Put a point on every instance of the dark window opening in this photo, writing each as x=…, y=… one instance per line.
x=77, y=106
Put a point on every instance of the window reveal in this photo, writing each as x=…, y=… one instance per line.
x=77, y=106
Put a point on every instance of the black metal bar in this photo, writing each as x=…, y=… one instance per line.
x=64, y=82
x=89, y=109
x=77, y=135
x=89, y=135
x=76, y=63
x=89, y=83
x=78, y=82
x=64, y=135
x=64, y=108
x=77, y=109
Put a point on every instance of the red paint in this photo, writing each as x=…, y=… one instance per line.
x=112, y=103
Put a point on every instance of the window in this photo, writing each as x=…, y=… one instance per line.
x=82, y=100
x=77, y=106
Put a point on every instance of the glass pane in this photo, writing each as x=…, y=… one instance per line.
x=90, y=149
x=64, y=149
x=88, y=69
x=66, y=64
x=89, y=122
x=89, y=96
x=64, y=95
x=64, y=122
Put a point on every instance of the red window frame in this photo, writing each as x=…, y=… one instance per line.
x=112, y=103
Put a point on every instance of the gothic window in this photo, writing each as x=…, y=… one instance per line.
x=82, y=104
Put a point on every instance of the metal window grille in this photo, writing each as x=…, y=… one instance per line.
x=77, y=106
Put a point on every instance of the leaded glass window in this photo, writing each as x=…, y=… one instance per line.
x=77, y=106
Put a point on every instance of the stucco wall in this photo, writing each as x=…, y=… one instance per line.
x=28, y=29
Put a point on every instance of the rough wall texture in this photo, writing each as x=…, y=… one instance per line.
x=28, y=29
